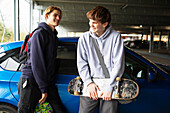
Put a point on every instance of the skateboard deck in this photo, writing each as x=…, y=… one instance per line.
x=125, y=89
x=43, y=108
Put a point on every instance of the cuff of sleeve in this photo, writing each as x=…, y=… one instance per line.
x=110, y=89
x=43, y=90
x=87, y=82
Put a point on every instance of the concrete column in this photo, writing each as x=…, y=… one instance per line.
x=151, y=40
x=168, y=45
x=159, y=44
x=39, y=20
x=30, y=15
x=142, y=37
x=16, y=21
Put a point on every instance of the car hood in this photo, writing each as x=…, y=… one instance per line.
x=8, y=46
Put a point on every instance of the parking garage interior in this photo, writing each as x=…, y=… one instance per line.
x=145, y=23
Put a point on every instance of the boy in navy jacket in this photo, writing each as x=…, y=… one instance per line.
x=37, y=82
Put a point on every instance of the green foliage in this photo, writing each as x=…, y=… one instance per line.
x=8, y=37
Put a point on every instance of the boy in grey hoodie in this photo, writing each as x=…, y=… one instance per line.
x=110, y=44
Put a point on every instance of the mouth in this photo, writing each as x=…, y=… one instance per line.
x=92, y=28
x=57, y=21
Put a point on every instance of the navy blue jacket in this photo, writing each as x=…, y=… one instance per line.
x=42, y=63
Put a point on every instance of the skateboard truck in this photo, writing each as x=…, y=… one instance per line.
x=77, y=90
x=117, y=95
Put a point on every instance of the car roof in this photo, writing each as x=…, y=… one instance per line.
x=13, y=45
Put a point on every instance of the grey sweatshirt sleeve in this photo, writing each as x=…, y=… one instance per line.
x=82, y=62
x=118, y=60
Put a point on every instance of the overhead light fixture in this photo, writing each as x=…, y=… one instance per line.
x=140, y=26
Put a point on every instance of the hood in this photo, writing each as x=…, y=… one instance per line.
x=47, y=28
x=104, y=35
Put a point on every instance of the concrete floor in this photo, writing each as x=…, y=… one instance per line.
x=161, y=56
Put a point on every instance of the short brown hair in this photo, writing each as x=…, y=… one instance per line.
x=100, y=14
x=52, y=8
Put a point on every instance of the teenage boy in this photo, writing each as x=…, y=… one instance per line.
x=37, y=82
x=110, y=44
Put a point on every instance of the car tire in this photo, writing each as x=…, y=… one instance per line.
x=7, y=108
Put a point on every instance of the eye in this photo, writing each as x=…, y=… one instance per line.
x=94, y=23
x=57, y=15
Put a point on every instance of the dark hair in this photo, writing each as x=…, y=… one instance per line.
x=100, y=14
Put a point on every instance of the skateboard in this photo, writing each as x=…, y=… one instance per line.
x=43, y=108
x=125, y=89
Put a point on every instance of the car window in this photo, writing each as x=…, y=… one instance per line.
x=66, y=62
x=66, y=58
x=10, y=59
x=134, y=68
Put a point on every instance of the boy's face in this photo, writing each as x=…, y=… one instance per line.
x=53, y=18
x=97, y=27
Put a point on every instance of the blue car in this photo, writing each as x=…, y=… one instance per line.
x=153, y=80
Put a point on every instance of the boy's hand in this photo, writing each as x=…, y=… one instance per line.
x=92, y=87
x=106, y=95
x=43, y=98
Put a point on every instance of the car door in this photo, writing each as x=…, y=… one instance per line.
x=152, y=94
x=66, y=71
x=9, y=76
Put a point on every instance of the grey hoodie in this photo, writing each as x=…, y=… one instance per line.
x=111, y=46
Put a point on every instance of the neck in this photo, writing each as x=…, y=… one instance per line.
x=52, y=27
x=100, y=33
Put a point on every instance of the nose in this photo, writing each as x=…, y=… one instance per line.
x=91, y=24
x=58, y=17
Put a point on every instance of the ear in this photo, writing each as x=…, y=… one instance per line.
x=105, y=24
x=46, y=16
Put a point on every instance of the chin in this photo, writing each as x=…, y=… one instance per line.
x=93, y=31
x=56, y=25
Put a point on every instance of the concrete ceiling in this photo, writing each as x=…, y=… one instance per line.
x=127, y=15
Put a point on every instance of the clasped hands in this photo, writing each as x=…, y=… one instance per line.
x=93, y=89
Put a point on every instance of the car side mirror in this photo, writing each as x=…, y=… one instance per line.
x=152, y=74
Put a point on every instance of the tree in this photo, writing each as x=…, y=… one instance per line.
x=8, y=34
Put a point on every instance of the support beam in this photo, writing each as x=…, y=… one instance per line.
x=168, y=45
x=16, y=21
x=30, y=15
x=39, y=20
x=151, y=40
x=159, y=44
x=142, y=37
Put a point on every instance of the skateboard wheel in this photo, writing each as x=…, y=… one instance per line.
x=118, y=79
x=78, y=78
x=76, y=93
x=117, y=96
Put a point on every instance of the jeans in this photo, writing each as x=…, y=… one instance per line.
x=29, y=95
